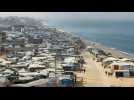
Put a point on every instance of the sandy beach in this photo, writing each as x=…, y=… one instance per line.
x=95, y=76
x=115, y=52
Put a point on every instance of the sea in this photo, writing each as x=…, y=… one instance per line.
x=114, y=34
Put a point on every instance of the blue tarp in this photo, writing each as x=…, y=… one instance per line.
x=66, y=82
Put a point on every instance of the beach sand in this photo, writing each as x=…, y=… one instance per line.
x=115, y=52
x=95, y=76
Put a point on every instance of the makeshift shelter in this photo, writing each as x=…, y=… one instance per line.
x=71, y=66
x=125, y=59
x=121, y=73
x=22, y=70
x=13, y=60
x=122, y=66
x=110, y=59
x=37, y=83
x=5, y=63
x=19, y=65
x=100, y=58
x=70, y=60
x=66, y=81
x=38, y=58
x=36, y=67
x=24, y=79
x=119, y=67
x=52, y=82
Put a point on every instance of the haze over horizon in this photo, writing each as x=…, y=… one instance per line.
x=78, y=21
x=73, y=15
x=114, y=29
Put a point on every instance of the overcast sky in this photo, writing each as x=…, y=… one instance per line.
x=76, y=20
x=73, y=18
x=74, y=15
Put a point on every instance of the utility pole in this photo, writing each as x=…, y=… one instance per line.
x=55, y=62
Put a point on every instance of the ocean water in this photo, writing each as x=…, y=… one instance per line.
x=114, y=34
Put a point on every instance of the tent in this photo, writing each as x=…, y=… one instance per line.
x=122, y=65
x=110, y=59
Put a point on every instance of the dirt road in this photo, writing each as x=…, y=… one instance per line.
x=95, y=76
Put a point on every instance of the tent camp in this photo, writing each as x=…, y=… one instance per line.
x=110, y=59
x=122, y=66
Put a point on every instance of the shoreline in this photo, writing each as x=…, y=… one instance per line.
x=114, y=51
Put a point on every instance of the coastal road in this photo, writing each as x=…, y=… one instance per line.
x=95, y=76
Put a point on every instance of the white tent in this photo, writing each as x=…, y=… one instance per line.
x=125, y=59
x=22, y=71
x=8, y=71
x=36, y=66
x=124, y=65
x=69, y=60
x=110, y=59
x=120, y=63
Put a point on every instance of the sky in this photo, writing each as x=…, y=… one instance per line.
x=74, y=15
x=73, y=18
x=91, y=15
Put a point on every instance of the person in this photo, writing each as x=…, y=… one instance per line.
x=82, y=61
x=84, y=70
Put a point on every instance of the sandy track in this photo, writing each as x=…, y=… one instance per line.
x=95, y=76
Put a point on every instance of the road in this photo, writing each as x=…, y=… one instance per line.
x=95, y=76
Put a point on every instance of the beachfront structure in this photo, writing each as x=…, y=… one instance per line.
x=110, y=59
x=122, y=66
x=121, y=73
x=117, y=67
x=98, y=53
x=127, y=60
x=100, y=58
x=107, y=61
